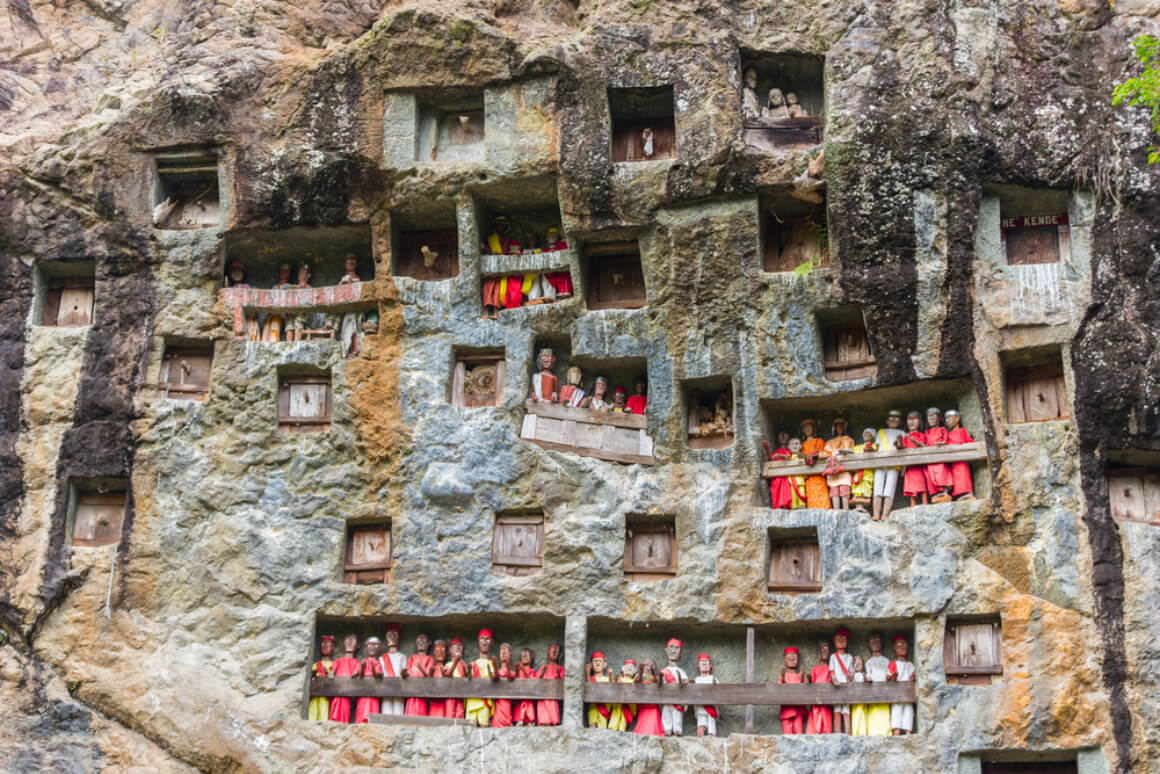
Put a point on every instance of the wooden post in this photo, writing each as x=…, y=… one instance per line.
x=749, y=637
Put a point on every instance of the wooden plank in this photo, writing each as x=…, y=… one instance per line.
x=436, y=687
x=963, y=452
x=749, y=676
x=415, y=721
x=765, y=694
x=629, y=459
x=557, y=411
x=991, y=669
x=457, y=379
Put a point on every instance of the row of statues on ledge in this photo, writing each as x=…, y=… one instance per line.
x=777, y=104
x=546, y=389
x=838, y=488
x=348, y=327
x=528, y=289
x=441, y=658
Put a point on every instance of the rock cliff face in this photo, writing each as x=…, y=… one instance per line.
x=186, y=644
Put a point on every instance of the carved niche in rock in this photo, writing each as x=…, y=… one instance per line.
x=478, y=380
x=650, y=548
x=368, y=554
x=98, y=518
x=518, y=544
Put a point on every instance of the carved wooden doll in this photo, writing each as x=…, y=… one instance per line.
x=673, y=715
x=750, y=104
x=877, y=670
x=437, y=708
x=619, y=400
x=503, y=707
x=821, y=717
x=780, y=494
x=914, y=479
x=419, y=665
x=938, y=474
x=638, y=401
x=964, y=488
x=478, y=711
x=841, y=665
x=623, y=714
x=548, y=710
x=572, y=394
x=886, y=479
x=594, y=670
x=346, y=666
x=372, y=666
x=862, y=490
x=707, y=713
x=793, y=717
x=648, y=716
x=525, y=710
x=544, y=381
x=455, y=668
x=560, y=280
x=320, y=705
x=598, y=402
x=490, y=296
x=272, y=328
x=498, y=242
x=817, y=491
x=840, y=484
x=901, y=715
x=393, y=663
x=794, y=105
x=775, y=107
x=859, y=713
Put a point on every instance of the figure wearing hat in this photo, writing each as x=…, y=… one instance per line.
x=498, y=242
x=455, y=668
x=938, y=474
x=673, y=715
x=544, y=382
x=394, y=664
x=619, y=400
x=621, y=715
x=793, y=717
x=594, y=670
x=599, y=390
x=817, y=491
x=707, y=713
x=372, y=666
x=320, y=705
x=886, y=479
x=964, y=489
x=841, y=672
x=901, y=715
x=346, y=666
x=478, y=711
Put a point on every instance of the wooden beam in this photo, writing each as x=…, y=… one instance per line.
x=587, y=416
x=415, y=721
x=963, y=452
x=973, y=670
x=749, y=676
x=584, y=451
x=765, y=694
x=436, y=688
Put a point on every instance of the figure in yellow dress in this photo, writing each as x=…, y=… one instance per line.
x=862, y=492
x=478, y=711
x=622, y=715
x=859, y=713
x=598, y=714
x=324, y=667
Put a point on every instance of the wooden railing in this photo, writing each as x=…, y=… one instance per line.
x=330, y=298
x=963, y=452
x=607, y=436
x=724, y=694
x=435, y=688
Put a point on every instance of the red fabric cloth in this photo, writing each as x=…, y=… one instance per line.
x=671, y=677
x=548, y=710
x=780, y=493
x=491, y=291
x=503, y=707
x=514, y=296
x=821, y=718
x=790, y=712
x=453, y=708
x=637, y=404
x=417, y=665
x=914, y=481
x=961, y=471
x=561, y=281
x=648, y=720
x=339, y=706
x=368, y=705
x=938, y=474
x=525, y=711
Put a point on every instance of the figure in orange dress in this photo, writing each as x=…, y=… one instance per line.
x=489, y=287
x=525, y=713
x=453, y=708
x=964, y=488
x=548, y=710
x=817, y=490
x=420, y=664
x=840, y=483
x=938, y=474
x=638, y=402
x=503, y=707
x=914, y=478
x=347, y=666
x=437, y=708
x=648, y=716
x=793, y=717
x=780, y=492
x=821, y=718
x=372, y=666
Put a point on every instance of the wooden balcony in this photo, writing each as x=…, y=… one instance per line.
x=606, y=436
x=772, y=134
x=331, y=298
x=963, y=452
x=724, y=694
x=436, y=688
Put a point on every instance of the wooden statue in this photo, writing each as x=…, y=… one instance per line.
x=478, y=711
x=793, y=717
x=455, y=668
x=272, y=328
x=544, y=381
x=964, y=488
x=886, y=479
x=673, y=715
x=914, y=479
x=706, y=714
x=347, y=666
x=775, y=106
x=348, y=323
x=598, y=714
x=619, y=400
x=525, y=712
x=511, y=287
x=901, y=715
x=419, y=665
x=780, y=491
x=862, y=490
x=236, y=276
x=648, y=716
x=821, y=717
x=840, y=483
x=571, y=394
x=437, y=708
x=638, y=401
x=859, y=713
x=794, y=105
x=647, y=147
x=840, y=665
x=548, y=710
x=320, y=705
x=599, y=390
x=503, y=707
x=393, y=666
x=561, y=281
x=498, y=242
x=622, y=714
x=817, y=491
x=492, y=301
x=938, y=474
x=750, y=104
x=877, y=669
x=372, y=666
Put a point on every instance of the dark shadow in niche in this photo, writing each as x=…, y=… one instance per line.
x=449, y=125
x=614, y=275
x=531, y=206
x=324, y=249
x=793, y=232
x=846, y=351
x=185, y=189
x=794, y=76
x=643, y=123
x=709, y=410
x=425, y=240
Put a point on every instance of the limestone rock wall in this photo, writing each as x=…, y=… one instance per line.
x=186, y=645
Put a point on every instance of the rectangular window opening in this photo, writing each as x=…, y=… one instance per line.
x=368, y=553
x=304, y=403
x=650, y=548
x=185, y=191
x=615, y=276
x=643, y=125
x=518, y=543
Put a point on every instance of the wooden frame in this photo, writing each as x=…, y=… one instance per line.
x=795, y=564
x=1035, y=239
x=973, y=651
x=1134, y=494
x=68, y=302
x=1028, y=767
x=436, y=688
x=191, y=380
x=650, y=548
x=607, y=436
x=289, y=400
x=615, y=276
x=98, y=519
x=1036, y=394
x=410, y=262
x=846, y=353
x=470, y=378
x=517, y=546
x=959, y=452
x=368, y=553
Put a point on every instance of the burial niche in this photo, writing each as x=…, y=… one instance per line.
x=846, y=353
x=185, y=190
x=304, y=402
x=782, y=100
x=709, y=406
x=98, y=513
x=615, y=276
x=450, y=125
x=795, y=560
x=368, y=553
x=478, y=378
x=1033, y=225
x=1134, y=490
x=643, y=128
x=794, y=235
x=518, y=543
x=650, y=548
x=1036, y=391
x=66, y=293
x=972, y=650
x=425, y=241
x=185, y=371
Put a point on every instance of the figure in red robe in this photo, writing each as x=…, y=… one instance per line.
x=964, y=488
x=648, y=716
x=525, y=714
x=503, y=707
x=347, y=666
x=453, y=708
x=437, y=708
x=420, y=664
x=548, y=710
x=780, y=493
x=372, y=666
x=560, y=280
x=638, y=403
x=793, y=716
x=914, y=484
x=821, y=719
x=938, y=474
x=513, y=294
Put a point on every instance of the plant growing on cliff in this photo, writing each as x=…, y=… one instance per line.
x=1144, y=89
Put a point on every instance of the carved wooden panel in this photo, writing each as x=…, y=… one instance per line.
x=1033, y=239
x=972, y=651
x=439, y=261
x=368, y=554
x=518, y=543
x=846, y=352
x=478, y=380
x=68, y=302
x=795, y=565
x=1036, y=394
x=185, y=373
x=650, y=548
x=1134, y=494
x=628, y=143
x=98, y=518
x=615, y=277
x=304, y=403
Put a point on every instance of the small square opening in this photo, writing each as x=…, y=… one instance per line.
x=98, y=512
x=795, y=560
x=66, y=294
x=450, y=125
x=846, y=352
x=185, y=190
x=185, y=370
x=709, y=403
x=643, y=125
x=1033, y=225
x=615, y=276
x=367, y=559
x=426, y=242
x=478, y=378
x=1035, y=387
x=518, y=543
x=1133, y=479
x=972, y=650
x=304, y=402
x=650, y=547
x=794, y=233
x=782, y=99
